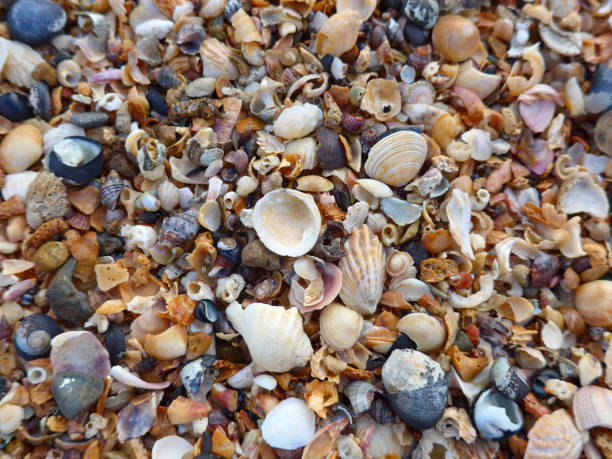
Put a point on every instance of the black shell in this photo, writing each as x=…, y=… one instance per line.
x=41, y=99
x=167, y=78
x=114, y=342
x=33, y=336
x=539, y=381
x=82, y=173
x=206, y=311
x=229, y=249
x=15, y=106
x=507, y=380
x=156, y=100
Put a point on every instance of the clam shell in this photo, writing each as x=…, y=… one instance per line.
x=274, y=335
x=554, y=435
x=363, y=271
x=218, y=60
x=425, y=330
x=592, y=407
x=170, y=447
x=340, y=326
x=287, y=222
x=594, y=302
x=395, y=159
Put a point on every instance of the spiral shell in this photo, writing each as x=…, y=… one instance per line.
x=554, y=435
x=363, y=271
x=396, y=159
x=111, y=189
x=340, y=326
x=68, y=73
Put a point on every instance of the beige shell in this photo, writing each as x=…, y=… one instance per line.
x=246, y=32
x=274, y=335
x=302, y=6
x=218, y=60
x=580, y=193
x=287, y=221
x=592, y=407
x=11, y=417
x=363, y=271
x=340, y=326
x=397, y=158
x=516, y=308
x=594, y=302
x=339, y=33
x=382, y=99
x=314, y=184
x=425, y=330
x=554, y=435
x=530, y=358
x=169, y=344
x=455, y=423
x=481, y=83
x=364, y=8
x=209, y=215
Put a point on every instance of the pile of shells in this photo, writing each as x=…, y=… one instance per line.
x=334, y=229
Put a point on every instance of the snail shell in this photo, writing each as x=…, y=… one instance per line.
x=363, y=271
x=340, y=326
x=33, y=336
x=111, y=189
x=361, y=394
x=395, y=159
x=496, y=416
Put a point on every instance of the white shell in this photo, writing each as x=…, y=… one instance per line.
x=340, y=326
x=459, y=213
x=401, y=211
x=425, y=330
x=397, y=158
x=289, y=425
x=306, y=148
x=287, y=221
x=363, y=271
x=168, y=194
x=170, y=447
x=17, y=62
x=267, y=382
x=298, y=121
x=274, y=335
x=18, y=184
x=580, y=193
x=411, y=289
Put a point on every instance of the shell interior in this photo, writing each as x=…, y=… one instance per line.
x=75, y=152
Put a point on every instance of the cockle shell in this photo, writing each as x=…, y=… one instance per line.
x=339, y=33
x=396, y=158
x=17, y=62
x=218, y=60
x=274, y=335
x=554, y=435
x=340, y=326
x=592, y=407
x=287, y=221
x=382, y=99
x=580, y=193
x=363, y=271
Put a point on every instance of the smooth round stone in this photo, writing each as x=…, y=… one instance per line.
x=415, y=387
x=423, y=13
x=74, y=393
x=15, y=106
x=35, y=22
x=21, y=148
x=66, y=301
x=89, y=120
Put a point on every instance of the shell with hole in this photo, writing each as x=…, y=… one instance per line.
x=382, y=99
x=274, y=335
x=340, y=326
x=397, y=158
x=363, y=271
x=287, y=221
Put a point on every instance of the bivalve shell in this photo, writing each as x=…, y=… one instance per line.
x=170, y=447
x=363, y=271
x=397, y=158
x=382, y=99
x=554, y=435
x=339, y=33
x=425, y=330
x=594, y=302
x=580, y=193
x=340, y=326
x=592, y=407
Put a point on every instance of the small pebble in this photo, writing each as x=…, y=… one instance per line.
x=74, y=393
x=15, y=106
x=422, y=13
x=109, y=243
x=35, y=22
x=66, y=301
x=50, y=256
x=89, y=120
x=114, y=343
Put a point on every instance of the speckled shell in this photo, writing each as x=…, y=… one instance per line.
x=396, y=159
x=363, y=271
x=340, y=326
x=554, y=435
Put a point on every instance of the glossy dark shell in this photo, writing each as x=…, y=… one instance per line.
x=114, y=343
x=229, y=249
x=497, y=427
x=33, y=336
x=81, y=174
x=206, y=311
x=423, y=13
x=15, y=106
x=331, y=154
x=41, y=99
x=156, y=100
x=507, y=380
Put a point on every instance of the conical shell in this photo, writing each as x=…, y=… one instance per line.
x=340, y=326
x=363, y=271
x=396, y=158
x=274, y=335
x=554, y=435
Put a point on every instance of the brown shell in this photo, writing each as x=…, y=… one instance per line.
x=554, y=435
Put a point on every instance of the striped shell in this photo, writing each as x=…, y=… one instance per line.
x=363, y=271
x=361, y=394
x=111, y=189
x=396, y=159
x=554, y=435
x=592, y=407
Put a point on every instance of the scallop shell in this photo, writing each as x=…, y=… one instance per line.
x=218, y=60
x=274, y=335
x=580, y=193
x=425, y=330
x=397, y=158
x=382, y=99
x=554, y=435
x=339, y=33
x=340, y=326
x=287, y=221
x=363, y=271
x=592, y=407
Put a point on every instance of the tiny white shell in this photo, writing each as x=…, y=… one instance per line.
x=278, y=432
x=170, y=447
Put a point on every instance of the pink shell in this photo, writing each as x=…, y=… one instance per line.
x=332, y=283
x=592, y=406
x=544, y=156
x=79, y=352
x=106, y=76
x=538, y=114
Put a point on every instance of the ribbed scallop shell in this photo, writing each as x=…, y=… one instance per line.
x=592, y=407
x=363, y=271
x=396, y=158
x=554, y=435
x=340, y=326
x=218, y=60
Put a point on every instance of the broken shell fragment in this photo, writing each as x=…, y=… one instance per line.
x=339, y=33
x=580, y=193
x=382, y=99
x=67, y=354
x=507, y=380
x=169, y=344
x=77, y=159
x=496, y=416
x=592, y=407
x=170, y=446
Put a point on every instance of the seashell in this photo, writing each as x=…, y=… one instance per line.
x=314, y=184
x=455, y=423
x=20, y=148
x=364, y=8
x=41, y=99
x=496, y=416
x=382, y=99
x=229, y=288
x=591, y=407
x=170, y=447
x=458, y=211
x=507, y=380
x=169, y=344
x=594, y=303
x=274, y=335
x=306, y=148
x=361, y=394
x=245, y=30
x=340, y=326
x=397, y=158
x=298, y=121
x=425, y=330
x=287, y=221
x=455, y=37
x=183, y=410
x=110, y=275
x=33, y=336
x=415, y=387
x=517, y=309
x=323, y=282
x=46, y=199
x=481, y=83
x=15, y=106
x=218, y=60
x=68, y=73
x=77, y=159
x=411, y=289
x=363, y=271
x=11, y=417
x=559, y=40
x=400, y=265
x=554, y=435
x=209, y=216
x=551, y=336
x=10, y=266
x=400, y=211
x=530, y=358
x=580, y=193
x=189, y=39
x=201, y=87
x=339, y=33
x=432, y=443
x=332, y=150
x=278, y=433
x=18, y=62
x=376, y=188
x=67, y=354
x=138, y=417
